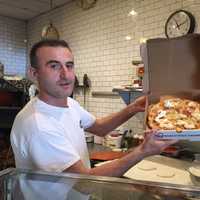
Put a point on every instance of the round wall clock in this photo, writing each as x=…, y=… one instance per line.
x=86, y=4
x=179, y=23
x=50, y=32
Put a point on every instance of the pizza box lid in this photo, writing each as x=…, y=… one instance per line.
x=171, y=65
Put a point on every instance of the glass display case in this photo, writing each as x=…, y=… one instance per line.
x=18, y=184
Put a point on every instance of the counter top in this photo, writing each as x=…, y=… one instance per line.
x=99, y=153
x=162, y=169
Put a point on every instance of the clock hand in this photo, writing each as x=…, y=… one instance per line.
x=183, y=23
x=177, y=25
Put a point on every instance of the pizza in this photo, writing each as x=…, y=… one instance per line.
x=173, y=113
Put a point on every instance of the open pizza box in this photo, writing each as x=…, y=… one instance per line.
x=172, y=67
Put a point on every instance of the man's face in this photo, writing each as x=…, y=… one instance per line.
x=55, y=73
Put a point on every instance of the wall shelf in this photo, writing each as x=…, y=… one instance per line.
x=104, y=93
x=128, y=95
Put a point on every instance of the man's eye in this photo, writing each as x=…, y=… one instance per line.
x=55, y=66
x=70, y=65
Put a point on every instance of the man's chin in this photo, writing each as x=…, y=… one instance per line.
x=65, y=95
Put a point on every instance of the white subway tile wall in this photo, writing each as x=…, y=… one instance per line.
x=13, y=45
x=105, y=39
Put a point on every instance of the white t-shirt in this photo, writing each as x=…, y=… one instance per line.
x=50, y=138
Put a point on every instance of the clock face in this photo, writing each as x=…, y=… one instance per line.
x=50, y=32
x=86, y=4
x=179, y=23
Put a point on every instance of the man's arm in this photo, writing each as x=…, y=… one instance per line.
x=114, y=168
x=117, y=168
x=106, y=124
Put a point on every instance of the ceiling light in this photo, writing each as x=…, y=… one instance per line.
x=143, y=40
x=128, y=37
x=132, y=13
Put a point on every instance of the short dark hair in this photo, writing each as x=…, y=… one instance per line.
x=45, y=43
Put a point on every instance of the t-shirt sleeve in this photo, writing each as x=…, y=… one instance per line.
x=87, y=119
x=52, y=152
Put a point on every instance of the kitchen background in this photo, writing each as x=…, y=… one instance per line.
x=105, y=40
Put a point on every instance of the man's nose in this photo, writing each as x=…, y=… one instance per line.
x=64, y=71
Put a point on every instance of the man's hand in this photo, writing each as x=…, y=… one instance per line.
x=153, y=145
x=139, y=104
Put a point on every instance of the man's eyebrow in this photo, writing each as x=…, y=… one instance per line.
x=52, y=61
x=70, y=62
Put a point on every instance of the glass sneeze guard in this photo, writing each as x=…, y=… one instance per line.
x=19, y=184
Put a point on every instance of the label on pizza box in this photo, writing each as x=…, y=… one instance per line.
x=192, y=135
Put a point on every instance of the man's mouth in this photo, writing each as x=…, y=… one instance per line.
x=65, y=84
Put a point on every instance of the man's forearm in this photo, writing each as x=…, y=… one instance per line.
x=118, y=167
x=150, y=146
x=106, y=124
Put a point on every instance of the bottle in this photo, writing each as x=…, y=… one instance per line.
x=1, y=70
x=130, y=139
x=124, y=142
x=196, y=161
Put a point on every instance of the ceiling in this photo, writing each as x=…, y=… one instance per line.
x=27, y=9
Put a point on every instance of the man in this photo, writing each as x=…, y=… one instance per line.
x=48, y=133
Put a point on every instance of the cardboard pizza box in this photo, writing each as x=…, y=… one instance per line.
x=172, y=67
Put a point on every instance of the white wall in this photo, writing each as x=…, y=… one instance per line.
x=97, y=38
x=12, y=45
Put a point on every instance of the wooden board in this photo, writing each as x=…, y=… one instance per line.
x=106, y=155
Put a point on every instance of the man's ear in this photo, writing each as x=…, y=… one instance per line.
x=32, y=74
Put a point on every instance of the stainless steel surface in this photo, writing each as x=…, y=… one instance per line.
x=27, y=9
x=128, y=95
x=163, y=169
x=94, y=187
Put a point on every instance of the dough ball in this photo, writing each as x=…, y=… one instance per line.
x=146, y=167
x=165, y=173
